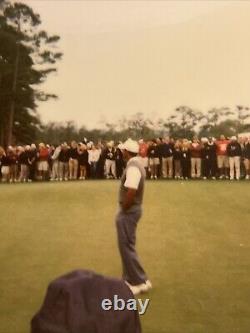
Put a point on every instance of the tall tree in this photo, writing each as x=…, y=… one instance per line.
x=29, y=51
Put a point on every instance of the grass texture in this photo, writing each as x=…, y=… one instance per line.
x=193, y=241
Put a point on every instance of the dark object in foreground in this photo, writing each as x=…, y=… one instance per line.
x=73, y=304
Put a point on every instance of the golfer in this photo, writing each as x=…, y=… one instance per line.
x=130, y=211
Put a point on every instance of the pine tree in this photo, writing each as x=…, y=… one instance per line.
x=26, y=59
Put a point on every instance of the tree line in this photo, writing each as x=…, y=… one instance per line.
x=184, y=122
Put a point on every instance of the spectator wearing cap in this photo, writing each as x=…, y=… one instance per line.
x=109, y=155
x=73, y=160
x=234, y=152
x=222, y=157
x=167, y=158
x=246, y=157
x=195, y=151
x=130, y=211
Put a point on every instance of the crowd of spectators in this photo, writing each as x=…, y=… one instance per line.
x=205, y=158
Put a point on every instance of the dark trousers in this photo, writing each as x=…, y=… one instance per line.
x=185, y=166
x=126, y=223
x=209, y=167
x=93, y=169
x=32, y=171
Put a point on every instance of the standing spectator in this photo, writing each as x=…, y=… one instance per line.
x=100, y=168
x=55, y=163
x=24, y=163
x=109, y=154
x=73, y=161
x=94, y=156
x=83, y=157
x=185, y=159
x=242, y=141
x=177, y=156
x=209, y=158
x=167, y=158
x=159, y=154
x=5, y=165
x=63, y=160
x=143, y=153
x=119, y=162
x=2, y=153
x=32, y=162
x=234, y=152
x=42, y=164
x=195, y=151
x=51, y=149
x=153, y=157
x=12, y=155
x=222, y=158
x=246, y=157
x=27, y=151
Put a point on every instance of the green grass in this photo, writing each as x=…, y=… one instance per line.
x=193, y=240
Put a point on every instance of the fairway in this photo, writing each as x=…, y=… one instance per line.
x=193, y=241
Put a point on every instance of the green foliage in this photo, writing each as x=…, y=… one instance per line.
x=22, y=47
x=183, y=123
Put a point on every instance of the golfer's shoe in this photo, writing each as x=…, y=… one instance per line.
x=145, y=287
x=140, y=288
x=135, y=289
x=149, y=284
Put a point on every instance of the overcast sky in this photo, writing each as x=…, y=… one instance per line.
x=123, y=57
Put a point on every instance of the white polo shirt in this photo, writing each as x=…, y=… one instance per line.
x=133, y=175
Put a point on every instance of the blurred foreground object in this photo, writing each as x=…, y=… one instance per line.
x=73, y=304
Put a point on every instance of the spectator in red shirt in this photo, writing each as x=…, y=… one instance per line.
x=143, y=153
x=43, y=165
x=222, y=157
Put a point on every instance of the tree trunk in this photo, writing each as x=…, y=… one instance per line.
x=13, y=101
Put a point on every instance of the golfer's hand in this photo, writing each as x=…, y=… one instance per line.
x=129, y=199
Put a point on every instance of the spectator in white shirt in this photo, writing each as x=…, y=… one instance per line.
x=94, y=155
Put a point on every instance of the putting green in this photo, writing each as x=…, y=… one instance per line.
x=193, y=240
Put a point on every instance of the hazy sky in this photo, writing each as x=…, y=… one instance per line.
x=123, y=57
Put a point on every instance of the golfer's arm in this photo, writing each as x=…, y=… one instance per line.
x=129, y=199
